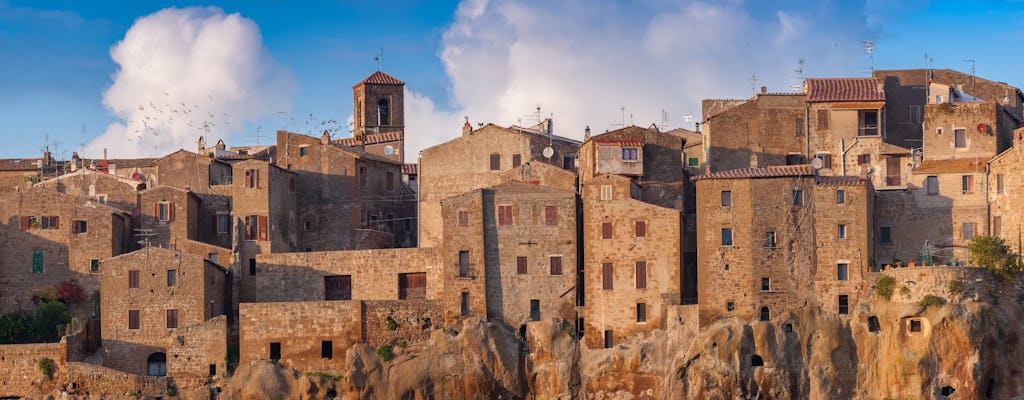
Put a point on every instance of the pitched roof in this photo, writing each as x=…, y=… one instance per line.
x=410, y=169
x=19, y=164
x=131, y=162
x=380, y=78
x=951, y=166
x=365, y=155
x=372, y=138
x=841, y=180
x=620, y=142
x=763, y=172
x=844, y=89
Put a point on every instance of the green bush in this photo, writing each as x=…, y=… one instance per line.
x=905, y=291
x=932, y=300
x=385, y=352
x=955, y=288
x=991, y=252
x=48, y=367
x=48, y=317
x=14, y=328
x=884, y=287
x=390, y=323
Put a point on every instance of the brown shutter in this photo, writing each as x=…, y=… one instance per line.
x=822, y=119
x=521, y=265
x=156, y=211
x=170, y=211
x=24, y=223
x=607, y=274
x=263, y=227
x=495, y=162
x=641, y=274
x=641, y=228
x=606, y=230
x=256, y=175
x=556, y=265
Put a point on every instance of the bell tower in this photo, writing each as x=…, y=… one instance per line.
x=379, y=115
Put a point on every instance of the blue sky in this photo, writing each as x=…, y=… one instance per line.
x=495, y=61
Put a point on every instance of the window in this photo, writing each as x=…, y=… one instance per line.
x=463, y=218
x=960, y=138
x=915, y=325
x=840, y=196
x=967, y=183
x=133, y=319
x=999, y=183
x=726, y=236
x=567, y=162
x=534, y=310
x=798, y=197
x=94, y=265
x=867, y=123
x=522, y=265
x=550, y=215
x=606, y=192
x=37, y=261
x=842, y=271
x=213, y=257
x=383, y=112
x=794, y=159
x=223, y=222
x=915, y=114
x=641, y=274
x=156, y=364
x=252, y=266
x=41, y=222
x=607, y=276
x=997, y=225
x=826, y=160
x=968, y=230
x=338, y=287
x=133, y=279
x=932, y=183
x=841, y=231
x=938, y=98
x=726, y=198
x=463, y=264
x=641, y=312
x=765, y=314
x=364, y=176
x=172, y=277
x=608, y=339
x=766, y=284
x=692, y=162
x=504, y=215
x=390, y=184
x=844, y=304
x=606, y=230
x=79, y=227
x=213, y=369
x=640, y=228
x=863, y=159
x=730, y=306
x=252, y=178
x=938, y=131
x=256, y=227
x=172, y=319
x=495, y=162
x=517, y=160
x=556, y=265
x=630, y=154
x=464, y=304
x=275, y=351
x=164, y=211
x=798, y=126
x=412, y=285
x=303, y=151
x=327, y=349
x=823, y=119
x=885, y=235
x=769, y=240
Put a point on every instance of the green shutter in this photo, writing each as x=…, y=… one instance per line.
x=37, y=261
x=94, y=265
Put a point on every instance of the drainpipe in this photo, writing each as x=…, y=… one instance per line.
x=988, y=203
x=842, y=146
x=807, y=130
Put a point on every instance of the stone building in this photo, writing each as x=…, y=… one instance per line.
x=509, y=254
x=768, y=129
x=763, y=232
x=379, y=116
x=50, y=237
x=1005, y=189
x=22, y=173
x=164, y=314
x=478, y=159
x=112, y=190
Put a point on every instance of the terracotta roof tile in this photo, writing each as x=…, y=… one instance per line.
x=373, y=138
x=844, y=89
x=951, y=166
x=380, y=78
x=763, y=172
x=410, y=169
x=620, y=142
x=19, y=164
x=841, y=180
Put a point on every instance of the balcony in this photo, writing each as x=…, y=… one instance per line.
x=464, y=271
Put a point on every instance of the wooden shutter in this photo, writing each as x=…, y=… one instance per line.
x=248, y=178
x=170, y=211
x=606, y=230
x=54, y=222
x=495, y=162
x=607, y=275
x=248, y=228
x=172, y=319
x=133, y=279
x=551, y=215
x=822, y=119
x=641, y=274
x=556, y=265
x=263, y=227
x=521, y=265
x=133, y=319
x=641, y=228
x=156, y=211
x=24, y=223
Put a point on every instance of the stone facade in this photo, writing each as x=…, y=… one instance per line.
x=158, y=301
x=761, y=131
x=111, y=190
x=985, y=134
x=168, y=214
x=1006, y=196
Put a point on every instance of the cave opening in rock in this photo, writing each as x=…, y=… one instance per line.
x=788, y=328
x=915, y=325
x=873, y=325
x=990, y=388
x=946, y=390
x=756, y=361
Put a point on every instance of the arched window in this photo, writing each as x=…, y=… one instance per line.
x=157, y=364
x=765, y=315
x=383, y=112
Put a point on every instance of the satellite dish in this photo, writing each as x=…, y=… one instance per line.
x=548, y=152
x=816, y=163
x=388, y=150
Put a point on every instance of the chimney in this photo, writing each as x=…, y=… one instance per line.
x=586, y=133
x=104, y=153
x=74, y=161
x=764, y=90
x=467, y=129
x=47, y=159
x=697, y=127
x=549, y=126
x=325, y=138
x=202, y=145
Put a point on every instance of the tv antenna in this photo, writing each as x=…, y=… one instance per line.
x=972, y=70
x=753, y=84
x=380, y=59
x=869, y=48
x=144, y=235
x=799, y=72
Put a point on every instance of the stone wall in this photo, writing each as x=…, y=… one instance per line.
x=301, y=328
x=855, y=249
x=19, y=364
x=414, y=320
x=977, y=284
x=759, y=132
x=949, y=117
x=113, y=190
x=92, y=379
x=1006, y=202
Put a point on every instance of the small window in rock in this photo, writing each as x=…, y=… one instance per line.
x=788, y=328
x=641, y=312
x=327, y=349
x=608, y=340
x=873, y=325
x=756, y=361
x=275, y=351
x=464, y=306
x=252, y=266
x=730, y=306
x=946, y=390
x=534, y=310
x=915, y=325
x=213, y=369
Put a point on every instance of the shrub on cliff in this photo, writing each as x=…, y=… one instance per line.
x=991, y=252
x=48, y=367
x=932, y=300
x=385, y=353
x=884, y=287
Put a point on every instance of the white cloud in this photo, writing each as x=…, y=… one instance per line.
x=581, y=61
x=183, y=69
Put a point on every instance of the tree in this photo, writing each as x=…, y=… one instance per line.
x=991, y=252
x=49, y=317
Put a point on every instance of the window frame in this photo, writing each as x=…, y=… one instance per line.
x=726, y=243
x=727, y=198
x=630, y=154
x=931, y=184
x=841, y=231
x=842, y=271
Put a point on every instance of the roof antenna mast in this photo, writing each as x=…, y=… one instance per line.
x=869, y=48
